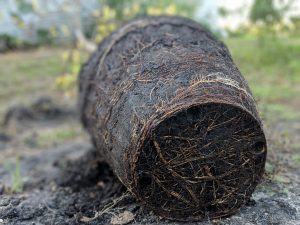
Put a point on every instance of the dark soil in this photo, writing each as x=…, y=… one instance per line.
x=41, y=109
x=70, y=184
x=218, y=175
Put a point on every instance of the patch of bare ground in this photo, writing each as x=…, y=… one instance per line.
x=69, y=183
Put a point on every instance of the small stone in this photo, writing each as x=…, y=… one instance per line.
x=122, y=218
x=101, y=184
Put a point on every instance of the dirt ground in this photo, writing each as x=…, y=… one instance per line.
x=68, y=183
x=50, y=173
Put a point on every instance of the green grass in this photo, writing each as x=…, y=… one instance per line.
x=25, y=75
x=270, y=66
x=17, y=67
x=272, y=69
x=56, y=136
x=296, y=158
x=269, y=168
x=15, y=175
x=277, y=111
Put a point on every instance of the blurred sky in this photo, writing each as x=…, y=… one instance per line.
x=238, y=12
x=208, y=11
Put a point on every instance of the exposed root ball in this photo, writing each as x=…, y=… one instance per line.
x=170, y=112
x=203, y=161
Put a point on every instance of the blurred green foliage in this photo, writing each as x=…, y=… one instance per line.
x=26, y=74
x=8, y=42
x=43, y=36
x=268, y=52
x=67, y=81
x=57, y=136
x=272, y=69
x=265, y=11
x=112, y=14
x=24, y=6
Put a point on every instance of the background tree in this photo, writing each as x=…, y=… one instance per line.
x=265, y=11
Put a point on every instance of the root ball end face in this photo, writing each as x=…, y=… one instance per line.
x=171, y=113
x=203, y=162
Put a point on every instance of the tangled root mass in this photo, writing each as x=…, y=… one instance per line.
x=168, y=109
x=204, y=161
